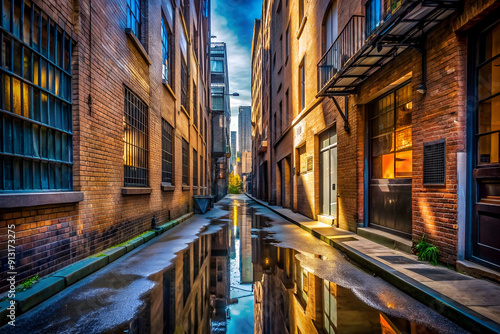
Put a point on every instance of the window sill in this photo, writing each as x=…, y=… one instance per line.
x=169, y=89
x=185, y=112
x=18, y=200
x=301, y=27
x=138, y=45
x=195, y=187
x=136, y=190
x=167, y=187
x=186, y=188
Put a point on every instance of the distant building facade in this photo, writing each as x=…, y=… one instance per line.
x=113, y=124
x=221, y=118
x=232, y=160
x=245, y=129
x=378, y=124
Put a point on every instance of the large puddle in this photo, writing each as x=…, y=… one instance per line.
x=247, y=271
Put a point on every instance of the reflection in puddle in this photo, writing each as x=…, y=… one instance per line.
x=235, y=279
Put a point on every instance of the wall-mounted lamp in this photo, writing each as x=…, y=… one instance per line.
x=422, y=89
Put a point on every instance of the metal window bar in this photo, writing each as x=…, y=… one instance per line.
x=167, y=156
x=185, y=162
x=184, y=85
x=195, y=168
x=348, y=42
x=136, y=141
x=35, y=101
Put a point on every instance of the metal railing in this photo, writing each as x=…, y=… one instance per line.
x=348, y=42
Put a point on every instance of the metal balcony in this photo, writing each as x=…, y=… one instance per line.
x=389, y=27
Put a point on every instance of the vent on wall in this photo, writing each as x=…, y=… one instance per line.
x=435, y=162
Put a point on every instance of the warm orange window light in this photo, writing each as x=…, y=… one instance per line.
x=388, y=166
x=404, y=164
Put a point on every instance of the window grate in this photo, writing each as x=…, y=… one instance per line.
x=184, y=85
x=136, y=141
x=35, y=101
x=185, y=162
x=434, y=162
x=167, y=156
x=195, y=168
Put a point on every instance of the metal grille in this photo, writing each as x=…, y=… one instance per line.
x=35, y=101
x=195, y=168
x=184, y=85
x=185, y=162
x=136, y=138
x=167, y=157
x=434, y=163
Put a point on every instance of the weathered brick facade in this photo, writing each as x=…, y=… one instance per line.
x=105, y=62
x=439, y=113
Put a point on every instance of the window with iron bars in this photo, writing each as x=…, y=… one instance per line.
x=136, y=141
x=185, y=162
x=166, y=37
x=167, y=156
x=184, y=85
x=195, y=168
x=35, y=101
x=195, y=105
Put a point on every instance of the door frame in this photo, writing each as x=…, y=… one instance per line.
x=321, y=150
x=472, y=185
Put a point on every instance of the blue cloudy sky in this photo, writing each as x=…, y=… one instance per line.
x=232, y=22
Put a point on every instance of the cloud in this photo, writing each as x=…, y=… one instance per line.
x=232, y=23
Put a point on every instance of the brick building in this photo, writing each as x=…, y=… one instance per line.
x=104, y=125
x=383, y=119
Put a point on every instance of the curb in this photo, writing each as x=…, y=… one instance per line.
x=456, y=312
x=69, y=275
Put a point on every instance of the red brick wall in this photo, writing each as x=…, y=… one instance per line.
x=49, y=237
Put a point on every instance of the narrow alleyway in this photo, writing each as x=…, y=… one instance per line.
x=245, y=270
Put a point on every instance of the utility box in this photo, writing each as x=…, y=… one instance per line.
x=202, y=203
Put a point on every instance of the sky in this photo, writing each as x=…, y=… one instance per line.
x=232, y=22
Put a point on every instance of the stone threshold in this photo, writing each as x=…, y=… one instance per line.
x=462, y=315
x=57, y=281
x=386, y=239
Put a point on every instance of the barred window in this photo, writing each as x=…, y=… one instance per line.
x=166, y=37
x=167, y=156
x=185, y=162
x=184, y=85
x=195, y=168
x=35, y=101
x=195, y=106
x=136, y=141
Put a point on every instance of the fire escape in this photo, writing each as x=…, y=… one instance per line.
x=369, y=42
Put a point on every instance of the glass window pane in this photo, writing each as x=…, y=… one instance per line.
x=388, y=166
x=384, y=123
x=383, y=144
x=404, y=164
x=404, y=139
x=488, y=148
x=489, y=79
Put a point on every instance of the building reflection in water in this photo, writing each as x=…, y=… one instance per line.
x=233, y=269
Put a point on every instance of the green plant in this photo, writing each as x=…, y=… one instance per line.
x=426, y=251
x=28, y=283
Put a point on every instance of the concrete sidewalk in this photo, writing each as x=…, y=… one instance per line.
x=472, y=303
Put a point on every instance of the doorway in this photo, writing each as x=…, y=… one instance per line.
x=328, y=172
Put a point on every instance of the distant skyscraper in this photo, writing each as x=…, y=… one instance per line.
x=245, y=129
x=232, y=160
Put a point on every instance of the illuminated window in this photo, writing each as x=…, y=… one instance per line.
x=36, y=132
x=136, y=141
x=391, y=135
x=488, y=89
x=167, y=156
x=185, y=162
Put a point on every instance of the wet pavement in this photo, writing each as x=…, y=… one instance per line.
x=238, y=269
